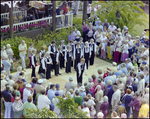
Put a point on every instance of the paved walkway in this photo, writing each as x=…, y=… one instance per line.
x=63, y=78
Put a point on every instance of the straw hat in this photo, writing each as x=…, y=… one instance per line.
x=2, y=76
x=82, y=88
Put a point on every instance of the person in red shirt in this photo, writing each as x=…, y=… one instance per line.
x=65, y=11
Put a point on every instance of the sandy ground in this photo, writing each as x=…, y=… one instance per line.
x=63, y=78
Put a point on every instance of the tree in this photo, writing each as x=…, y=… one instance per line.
x=44, y=113
x=69, y=109
x=122, y=13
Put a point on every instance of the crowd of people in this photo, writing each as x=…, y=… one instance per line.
x=122, y=90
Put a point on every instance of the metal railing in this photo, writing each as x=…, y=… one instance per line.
x=47, y=19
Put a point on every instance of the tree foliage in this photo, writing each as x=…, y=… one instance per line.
x=69, y=109
x=44, y=113
x=129, y=12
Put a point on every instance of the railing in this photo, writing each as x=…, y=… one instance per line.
x=5, y=16
x=47, y=19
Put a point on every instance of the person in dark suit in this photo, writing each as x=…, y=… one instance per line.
x=33, y=62
x=42, y=68
x=62, y=59
x=93, y=51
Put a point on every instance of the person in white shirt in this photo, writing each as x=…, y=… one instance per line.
x=104, y=45
x=93, y=51
x=89, y=10
x=41, y=52
x=10, y=81
x=3, y=52
x=30, y=52
x=19, y=69
x=27, y=92
x=85, y=108
x=43, y=101
x=97, y=36
x=112, y=27
x=115, y=97
x=141, y=84
x=81, y=67
x=125, y=51
x=130, y=43
x=77, y=35
x=22, y=53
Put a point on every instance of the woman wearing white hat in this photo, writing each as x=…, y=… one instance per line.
x=10, y=54
x=125, y=51
x=27, y=92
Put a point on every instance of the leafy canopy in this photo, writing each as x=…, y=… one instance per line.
x=129, y=13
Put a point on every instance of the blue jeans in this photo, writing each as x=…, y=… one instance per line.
x=58, y=18
x=23, y=60
x=7, y=109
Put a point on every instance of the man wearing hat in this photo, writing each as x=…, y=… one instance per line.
x=61, y=92
x=39, y=86
x=81, y=67
x=62, y=60
x=27, y=92
x=70, y=84
x=113, y=67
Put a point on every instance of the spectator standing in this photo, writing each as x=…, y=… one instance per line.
x=106, y=24
x=30, y=52
x=51, y=95
x=6, y=97
x=112, y=27
x=43, y=100
x=17, y=108
x=144, y=109
x=70, y=84
x=135, y=104
x=22, y=53
x=85, y=27
x=27, y=92
x=10, y=54
x=28, y=105
x=6, y=64
x=104, y=106
x=89, y=10
x=77, y=35
x=120, y=109
x=78, y=99
x=65, y=11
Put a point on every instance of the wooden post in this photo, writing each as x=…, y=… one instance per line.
x=11, y=33
x=54, y=16
x=84, y=10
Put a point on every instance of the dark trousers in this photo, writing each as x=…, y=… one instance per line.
x=41, y=71
x=56, y=67
x=76, y=62
x=127, y=111
x=88, y=15
x=33, y=72
x=68, y=65
x=86, y=56
x=135, y=114
x=77, y=39
x=92, y=58
x=62, y=61
x=130, y=52
x=84, y=37
x=79, y=79
x=48, y=72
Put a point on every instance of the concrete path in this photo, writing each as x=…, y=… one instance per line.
x=63, y=78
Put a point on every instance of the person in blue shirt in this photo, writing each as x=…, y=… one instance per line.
x=123, y=68
x=129, y=63
x=136, y=45
x=82, y=93
x=109, y=92
x=118, y=72
x=99, y=26
x=51, y=95
x=110, y=77
x=146, y=41
x=87, y=90
x=6, y=64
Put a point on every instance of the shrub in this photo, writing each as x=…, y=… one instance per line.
x=44, y=113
